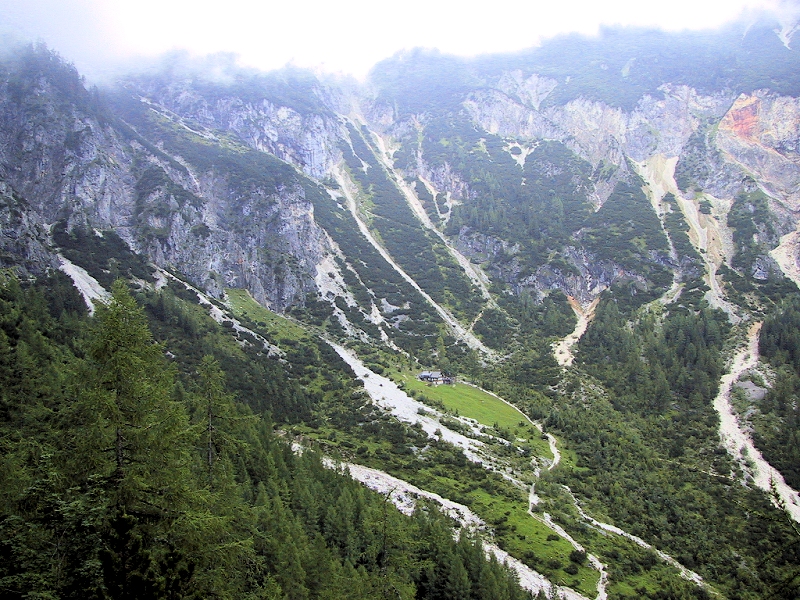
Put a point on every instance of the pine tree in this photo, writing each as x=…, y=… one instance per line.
x=228, y=525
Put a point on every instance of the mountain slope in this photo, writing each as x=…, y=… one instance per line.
x=460, y=215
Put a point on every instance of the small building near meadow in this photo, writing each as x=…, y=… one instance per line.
x=435, y=377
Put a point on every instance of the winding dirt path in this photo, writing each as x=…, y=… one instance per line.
x=550, y=439
x=533, y=500
x=597, y=564
x=387, y=394
x=384, y=392
x=602, y=583
x=738, y=442
x=685, y=573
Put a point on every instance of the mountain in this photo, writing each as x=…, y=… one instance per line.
x=601, y=232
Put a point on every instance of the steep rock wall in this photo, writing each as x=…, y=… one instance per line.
x=66, y=160
x=719, y=141
x=593, y=130
x=308, y=140
x=761, y=134
x=23, y=238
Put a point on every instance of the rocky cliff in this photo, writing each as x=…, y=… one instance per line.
x=222, y=177
x=64, y=154
x=761, y=134
x=720, y=141
x=306, y=135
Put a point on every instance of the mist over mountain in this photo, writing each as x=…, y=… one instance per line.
x=547, y=298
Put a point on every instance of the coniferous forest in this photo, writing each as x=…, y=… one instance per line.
x=516, y=326
x=125, y=477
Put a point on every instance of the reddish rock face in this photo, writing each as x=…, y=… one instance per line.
x=742, y=118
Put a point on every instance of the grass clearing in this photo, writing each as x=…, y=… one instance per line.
x=473, y=403
x=502, y=505
x=505, y=510
x=469, y=402
x=275, y=326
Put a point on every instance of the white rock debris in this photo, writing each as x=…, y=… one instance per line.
x=739, y=442
x=220, y=316
x=707, y=233
x=405, y=496
x=458, y=329
x=385, y=392
x=563, y=349
x=87, y=285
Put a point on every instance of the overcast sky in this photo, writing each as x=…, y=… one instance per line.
x=337, y=35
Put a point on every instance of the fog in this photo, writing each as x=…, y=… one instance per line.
x=104, y=36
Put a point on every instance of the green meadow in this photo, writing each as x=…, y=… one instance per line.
x=473, y=403
x=275, y=326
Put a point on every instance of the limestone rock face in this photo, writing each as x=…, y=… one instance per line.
x=308, y=140
x=62, y=160
x=591, y=129
x=587, y=277
x=592, y=277
x=721, y=143
x=269, y=244
x=605, y=136
x=65, y=158
x=498, y=113
x=58, y=158
x=444, y=178
x=23, y=238
x=761, y=134
x=530, y=91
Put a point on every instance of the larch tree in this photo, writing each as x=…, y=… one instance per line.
x=135, y=450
